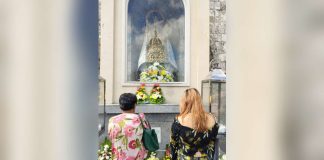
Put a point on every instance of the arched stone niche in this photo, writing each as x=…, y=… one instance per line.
x=115, y=53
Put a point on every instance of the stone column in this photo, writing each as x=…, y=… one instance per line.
x=217, y=28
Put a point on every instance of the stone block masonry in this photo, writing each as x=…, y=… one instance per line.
x=217, y=26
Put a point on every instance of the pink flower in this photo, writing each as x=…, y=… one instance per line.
x=136, y=121
x=141, y=115
x=141, y=154
x=113, y=134
x=132, y=144
x=119, y=118
x=128, y=131
x=116, y=153
x=121, y=155
x=167, y=152
x=130, y=158
x=114, y=150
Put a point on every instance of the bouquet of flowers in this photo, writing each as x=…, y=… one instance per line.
x=156, y=73
x=167, y=155
x=152, y=156
x=105, y=153
x=156, y=96
x=141, y=95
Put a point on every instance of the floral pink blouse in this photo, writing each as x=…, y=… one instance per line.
x=125, y=132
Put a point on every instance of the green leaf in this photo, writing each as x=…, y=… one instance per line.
x=121, y=124
x=124, y=141
x=137, y=143
x=119, y=137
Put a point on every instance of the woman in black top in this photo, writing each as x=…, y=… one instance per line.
x=194, y=131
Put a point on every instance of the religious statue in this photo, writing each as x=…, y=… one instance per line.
x=156, y=57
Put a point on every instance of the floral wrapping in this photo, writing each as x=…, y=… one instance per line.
x=141, y=95
x=125, y=132
x=156, y=95
x=188, y=144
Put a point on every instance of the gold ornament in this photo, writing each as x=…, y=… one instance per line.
x=155, y=50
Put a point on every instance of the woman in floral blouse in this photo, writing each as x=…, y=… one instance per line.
x=194, y=131
x=125, y=131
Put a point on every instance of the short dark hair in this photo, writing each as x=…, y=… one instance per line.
x=127, y=101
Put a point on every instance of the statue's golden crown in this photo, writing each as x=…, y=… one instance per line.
x=155, y=50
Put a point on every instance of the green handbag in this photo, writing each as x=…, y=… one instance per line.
x=149, y=138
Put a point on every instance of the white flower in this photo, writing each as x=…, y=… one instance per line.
x=155, y=68
x=156, y=64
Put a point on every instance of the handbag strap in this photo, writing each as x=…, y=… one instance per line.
x=143, y=122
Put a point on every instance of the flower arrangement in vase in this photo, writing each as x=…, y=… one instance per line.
x=141, y=95
x=167, y=155
x=105, y=153
x=156, y=96
x=156, y=73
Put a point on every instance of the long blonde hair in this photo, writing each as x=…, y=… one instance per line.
x=191, y=103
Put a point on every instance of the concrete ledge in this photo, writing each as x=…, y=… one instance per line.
x=145, y=108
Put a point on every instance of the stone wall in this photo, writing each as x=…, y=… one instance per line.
x=217, y=20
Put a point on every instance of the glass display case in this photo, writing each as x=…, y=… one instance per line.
x=213, y=93
x=156, y=40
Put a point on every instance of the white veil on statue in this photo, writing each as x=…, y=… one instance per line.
x=170, y=63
